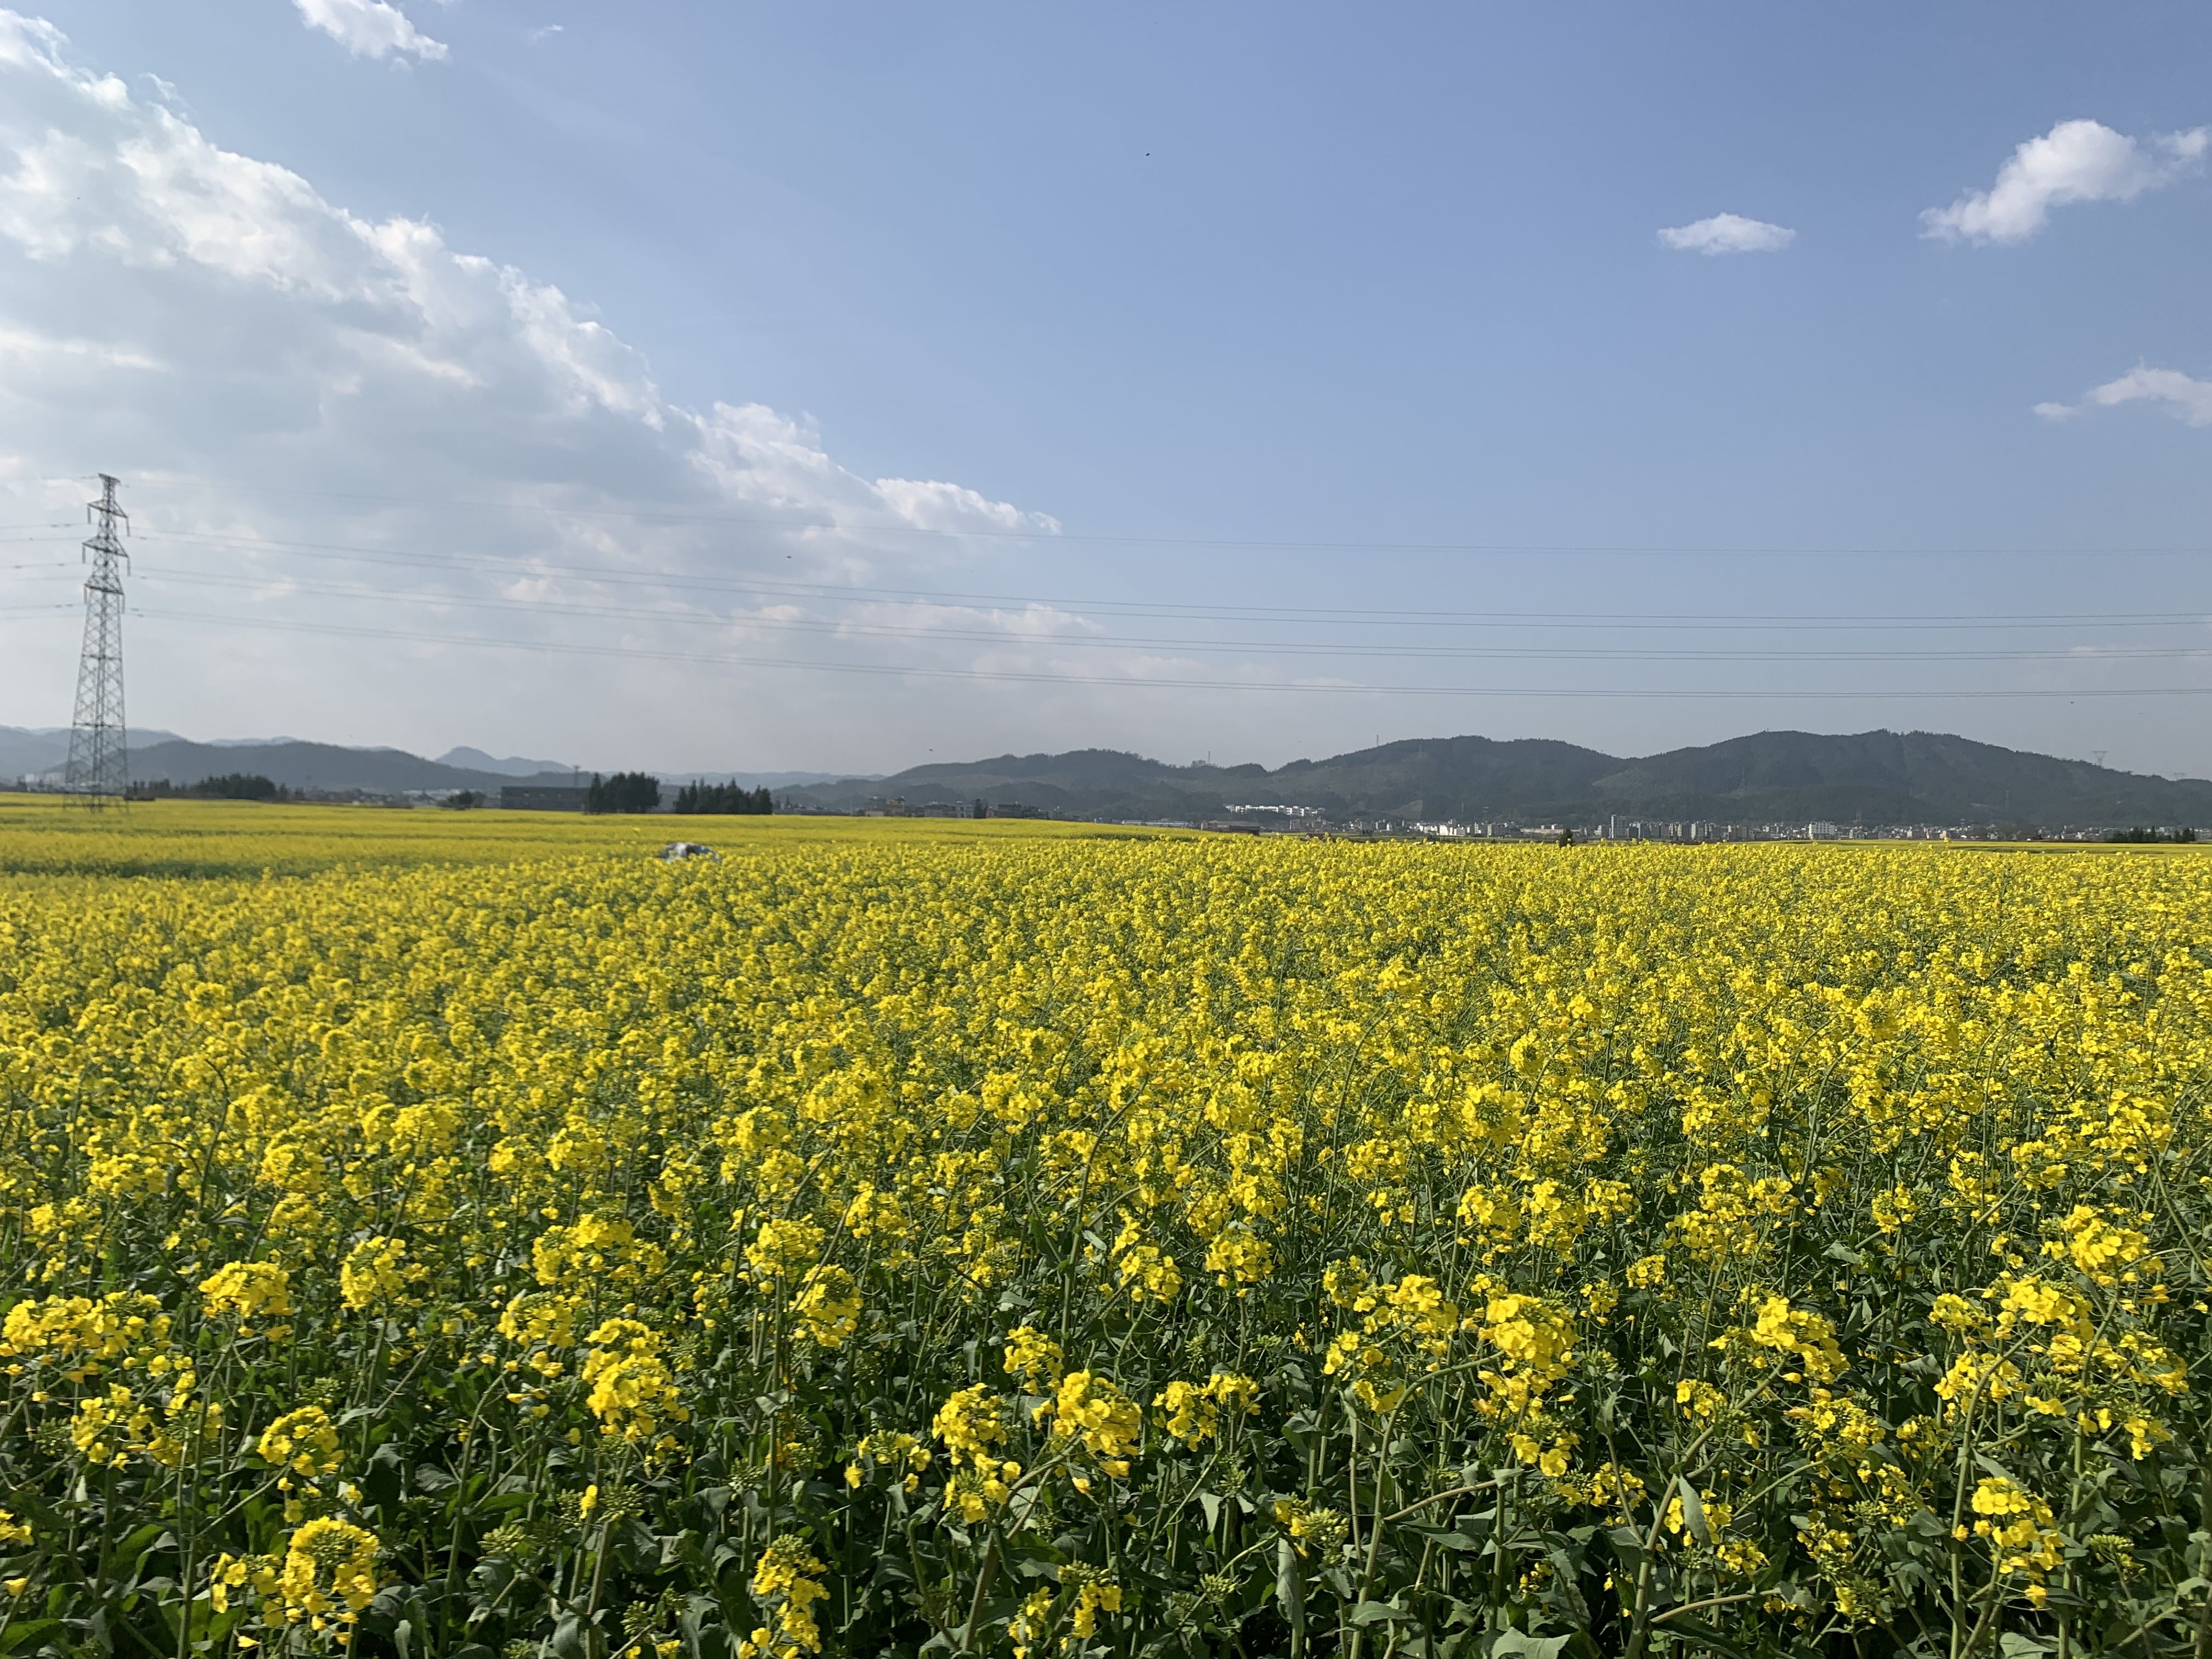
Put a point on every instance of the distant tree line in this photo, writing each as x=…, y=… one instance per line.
x=228, y=785
x=2147, y=836
x=625, y=791
x=724, y=798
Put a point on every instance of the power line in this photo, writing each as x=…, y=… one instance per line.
x=1250, y=647
x=1254, y=544
x=909, y=597
x=107, y=550
x=618, y=575
x=1130, y=682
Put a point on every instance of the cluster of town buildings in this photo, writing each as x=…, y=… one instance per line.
x=1252, y=817
x=1268, y=818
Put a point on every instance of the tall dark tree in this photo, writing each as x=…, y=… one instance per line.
x=625, y=791
x=724, y=798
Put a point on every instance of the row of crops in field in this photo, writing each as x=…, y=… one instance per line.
x=1033, y=1246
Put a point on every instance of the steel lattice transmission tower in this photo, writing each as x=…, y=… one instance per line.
x=98, y=770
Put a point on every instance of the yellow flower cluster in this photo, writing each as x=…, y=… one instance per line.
x=78, y=1334
x=828, y=1306
x=324, y=1580
x=633, y=1392
x=249, y=1291
x=787, y=1582
x=1193, y=1410
x=1034, y=1358
x=1094, y=1410
x=2020, y=1524
x=375, y=1274
x=304, y=1441
x=328, y=1571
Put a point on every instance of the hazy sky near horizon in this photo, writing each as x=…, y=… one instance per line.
x=847, y=385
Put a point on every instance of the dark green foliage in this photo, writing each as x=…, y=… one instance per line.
x=724, y=798
x=625, y=791
x=239, y=785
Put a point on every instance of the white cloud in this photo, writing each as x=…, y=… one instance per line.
x=2075, y=161
x=1727, y=232
x=26, y=352
x=2186, y=400
x=265, y=367
x=929, y=506
x=26, y=39
x=369, y=28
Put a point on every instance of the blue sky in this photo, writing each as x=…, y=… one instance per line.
x=1171, y=314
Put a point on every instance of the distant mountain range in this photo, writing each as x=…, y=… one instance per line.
x=27, y=750
x=508, y=766
x=323, y=766
x=41, y=752
x=1871, y=777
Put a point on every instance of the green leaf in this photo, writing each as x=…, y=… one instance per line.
x=1563, y=1592
x=567, y=1641
x=1705, y=1635
x=26, y=1634
x=1379, y=1612
x=1535, y=1647
x=131, y=1548
x=1451, y=1541
x=1693, y=1510
x=1291, y=1589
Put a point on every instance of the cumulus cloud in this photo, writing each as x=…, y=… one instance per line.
x=2075, y=161
x=305, y=402
x=1727, y=232
x=369, y=28
x=2186, y=400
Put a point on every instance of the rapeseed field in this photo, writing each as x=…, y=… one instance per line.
x=434, y=1236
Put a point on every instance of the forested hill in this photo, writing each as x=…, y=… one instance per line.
x=318, y=766
x=1870, y=777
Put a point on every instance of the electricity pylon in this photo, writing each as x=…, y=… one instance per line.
x=99, y=771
